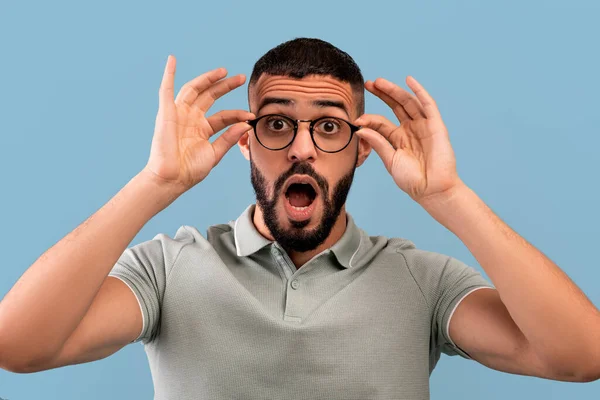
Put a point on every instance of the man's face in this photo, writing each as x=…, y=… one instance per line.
x=301, y=190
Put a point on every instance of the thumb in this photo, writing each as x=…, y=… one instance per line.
x=380, y=144
x=230, y=137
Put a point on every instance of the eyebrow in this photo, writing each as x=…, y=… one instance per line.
x=274, y=100
x=331, y=103
x=288, y=102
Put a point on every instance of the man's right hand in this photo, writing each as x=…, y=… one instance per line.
x=181, y=155
x=67, y=293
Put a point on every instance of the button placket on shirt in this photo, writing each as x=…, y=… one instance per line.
x=293, y=299
x=281, y=263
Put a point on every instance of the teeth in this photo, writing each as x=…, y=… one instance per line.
x=299, y=208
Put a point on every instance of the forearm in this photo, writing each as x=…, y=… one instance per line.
x=50, y=299
x=559, y=321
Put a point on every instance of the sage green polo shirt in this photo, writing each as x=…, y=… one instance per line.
x=229, y=316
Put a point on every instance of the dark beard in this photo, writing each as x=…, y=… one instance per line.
x=297, y=238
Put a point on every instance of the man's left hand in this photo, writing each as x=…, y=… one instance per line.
x=417, y=152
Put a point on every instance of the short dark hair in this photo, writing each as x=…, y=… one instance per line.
x=300, y=57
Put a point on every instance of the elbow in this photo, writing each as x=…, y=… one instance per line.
x=22, y=366
x=574, y=368
x=12, y=366
x=590, y=374
x=19, y=365
x=590, y=378
x=19, y=362
x=589, y=369
x=584, y=372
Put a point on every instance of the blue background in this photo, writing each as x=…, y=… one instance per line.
x=516, y=83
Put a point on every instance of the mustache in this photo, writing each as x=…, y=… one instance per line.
x=302, y=169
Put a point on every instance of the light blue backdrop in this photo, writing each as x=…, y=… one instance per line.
x=516, y=82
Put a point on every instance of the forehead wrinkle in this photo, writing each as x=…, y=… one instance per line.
x=324, y=86
x=305, y=90
x=281, y=92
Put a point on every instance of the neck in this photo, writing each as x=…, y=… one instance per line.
x=300, y=258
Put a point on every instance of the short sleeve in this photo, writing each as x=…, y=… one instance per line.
x=444, y=282
x=144, y=268
x=458, y=281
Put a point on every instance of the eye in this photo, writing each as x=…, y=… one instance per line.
x=278, y=124
x=329, y=126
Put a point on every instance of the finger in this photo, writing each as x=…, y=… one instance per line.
x=208, y=97
x=225, y=118
x=165, y=92
x=380, y=144
x=190, y=91
x=429, y=105
x=407, y=100
x=396, y=108
x=378, y=123
x=230, y=137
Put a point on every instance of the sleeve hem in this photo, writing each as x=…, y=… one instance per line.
x=461, y=297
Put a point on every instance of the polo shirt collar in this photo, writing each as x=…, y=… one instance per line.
x=248, y=240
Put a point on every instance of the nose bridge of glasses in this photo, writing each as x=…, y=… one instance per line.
x=301, y=145
x=308, y=125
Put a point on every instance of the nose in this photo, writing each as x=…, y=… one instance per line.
x=302, y=148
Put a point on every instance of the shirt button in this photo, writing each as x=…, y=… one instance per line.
x=295, y=284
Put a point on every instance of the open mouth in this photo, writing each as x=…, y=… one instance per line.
x=300, y=196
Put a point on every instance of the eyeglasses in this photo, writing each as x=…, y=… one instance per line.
x=329, y=134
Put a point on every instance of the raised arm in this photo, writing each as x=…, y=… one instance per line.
x=65, y=309
x=537, y=322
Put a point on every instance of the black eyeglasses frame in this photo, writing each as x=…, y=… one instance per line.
x=313, y=122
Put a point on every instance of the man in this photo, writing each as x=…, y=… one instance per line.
x=292, y=299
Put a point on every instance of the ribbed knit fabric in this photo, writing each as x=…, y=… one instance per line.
x=228, y=316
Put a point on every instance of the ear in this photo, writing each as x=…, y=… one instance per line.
x=364, y=149
x=244, y=145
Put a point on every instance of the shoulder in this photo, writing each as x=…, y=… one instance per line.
x=381, y=250
x=430, y=267
x=163, y=249
x=429, y=270
x=184, y=235
x=396, y=248
x=416, y=258
x=216, y=236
